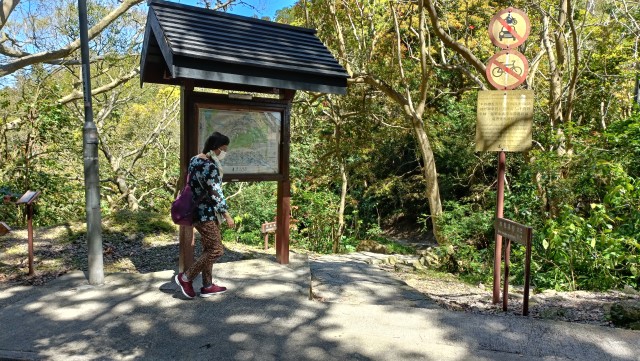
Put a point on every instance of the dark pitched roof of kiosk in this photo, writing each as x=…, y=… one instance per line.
x=211, y=47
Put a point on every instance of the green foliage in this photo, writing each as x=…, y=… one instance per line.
x=394, y=247
x=584, y=208
x=624, y=139
x=317, y=222
x=467, y=223
x=595, y=247
x=251, y=205
x=144, y=222
x=587, y=228
x=468, y=231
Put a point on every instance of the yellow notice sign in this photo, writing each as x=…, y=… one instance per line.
x=504, y=120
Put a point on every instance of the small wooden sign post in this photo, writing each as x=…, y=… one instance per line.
x=4, y=229
x=516, y=232
x=269, y=228
x=28, y=199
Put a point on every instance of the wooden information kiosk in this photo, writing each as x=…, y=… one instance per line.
x=256, y=66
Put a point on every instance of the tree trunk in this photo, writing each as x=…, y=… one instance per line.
x=125, y=191
x=343, y=202
x=431, y=177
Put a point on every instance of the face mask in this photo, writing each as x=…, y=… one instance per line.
x=222, y=155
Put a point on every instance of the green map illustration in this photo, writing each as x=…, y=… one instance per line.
x=254, y=138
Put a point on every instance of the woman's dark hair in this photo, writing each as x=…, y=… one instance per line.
x=215, y=141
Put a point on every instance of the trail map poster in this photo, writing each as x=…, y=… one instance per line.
x=254, y=138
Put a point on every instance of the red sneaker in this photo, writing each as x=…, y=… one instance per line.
x=185, y=287
x=212, y=290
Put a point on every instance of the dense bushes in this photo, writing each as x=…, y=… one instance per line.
x=584, y=208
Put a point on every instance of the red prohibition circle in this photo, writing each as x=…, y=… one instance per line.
x=507, y=75
x=509, y=31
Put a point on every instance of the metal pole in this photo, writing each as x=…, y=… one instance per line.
x=505, y=291
x=91, y=173
x=527, y=274
x=499, y=213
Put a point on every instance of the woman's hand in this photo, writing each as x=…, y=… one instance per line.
x=229, y=220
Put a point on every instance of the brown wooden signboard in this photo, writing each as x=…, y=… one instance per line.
x=28, y=198
x=4, y=229
x=269, y=228
x=513, y=231
x=519, y=233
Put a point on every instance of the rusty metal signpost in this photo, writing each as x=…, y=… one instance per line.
x=516, y=232
x=504, y=115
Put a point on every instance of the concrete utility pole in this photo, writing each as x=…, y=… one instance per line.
x=91, y=174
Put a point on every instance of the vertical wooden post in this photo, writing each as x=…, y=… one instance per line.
x=188, y=144
x=29, y=207
x=284, y=186
x=282, y=232
x=499, y=214
x=187, y=246
x=28, y=199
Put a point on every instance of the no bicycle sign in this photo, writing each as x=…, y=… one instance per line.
x=507, y=69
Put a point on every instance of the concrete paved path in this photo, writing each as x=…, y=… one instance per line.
x=268, y=315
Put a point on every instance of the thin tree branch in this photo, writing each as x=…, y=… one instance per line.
x=574, y=74
x=77, y=94
x=341, y=43
x=382, y=86
x=403, y=78
x=423, y=63
x=7, y=8
x=449, y=41
x=47, y=56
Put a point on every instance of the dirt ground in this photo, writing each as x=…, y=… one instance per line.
x=578, y=306
x=58, y=250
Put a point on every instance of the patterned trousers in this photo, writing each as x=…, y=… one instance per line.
x=212, y=249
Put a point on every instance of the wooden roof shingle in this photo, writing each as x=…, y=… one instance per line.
x=217, y=49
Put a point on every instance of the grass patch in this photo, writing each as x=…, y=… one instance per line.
x=50, y=265
x=395, y=247
x=140, y=222
x=15, y=250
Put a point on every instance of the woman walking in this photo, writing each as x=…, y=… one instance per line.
x=206, y=183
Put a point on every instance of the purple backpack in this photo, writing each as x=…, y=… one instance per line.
x=184, y=208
